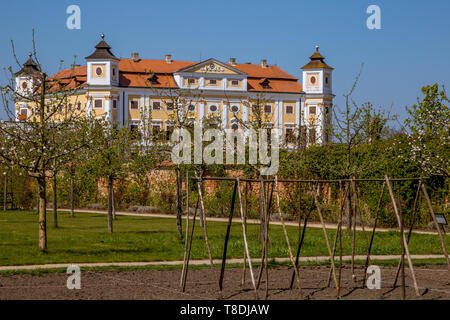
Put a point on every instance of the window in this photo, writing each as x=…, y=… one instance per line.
x=134, y=104
x=24, y=85
x=79, y=106
x=98, y=71
x=191, y=108
x=169, y=129
x=156, y=130
x=169, y=106
x=24, y=112
x=134, y=128
x=60, y=108
x=69, y=107
x=289, y=136
x=98, y=103
x=234, y=124
x=234, y=108
x=114, y=72
x=289, y=109
x=312, y=110
x=156, y=105
x=235, y=83
x=255, y=108
x=191, y=81
x=326, y=80
x=313, y=80
x=114, y=104
x=213, y=82
x=267, y=108
x=213, y=108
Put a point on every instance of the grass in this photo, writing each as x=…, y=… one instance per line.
x=85, y=239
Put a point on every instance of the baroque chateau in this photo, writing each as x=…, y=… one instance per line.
x=127, y=91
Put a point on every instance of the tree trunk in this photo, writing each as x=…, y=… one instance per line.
x=179, y=205
x=42, y=215
x=110, y=194
x=5, y=191
x=113, y=204
x=262, y=209
x=54, y=201
x=349, y=210
x=72, y=214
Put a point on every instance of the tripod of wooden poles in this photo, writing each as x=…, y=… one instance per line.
x=270, y=187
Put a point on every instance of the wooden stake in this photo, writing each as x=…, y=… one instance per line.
x=404, y=243
x=326, y=239
x=244, y=231
x=291, y=256
x=413, y=216
x=227, y=236
x=369, y=249
x=267, y=206
x=186, y=262
x=430, y=207
x=338, y=230
x=187, y=227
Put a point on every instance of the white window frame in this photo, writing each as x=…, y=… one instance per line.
x=130, y=102
x=160, y=105
x=95, y=100
x=213, y=104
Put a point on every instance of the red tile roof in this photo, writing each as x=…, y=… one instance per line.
x=136, y=74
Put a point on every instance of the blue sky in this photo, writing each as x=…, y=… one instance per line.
x=411, y=50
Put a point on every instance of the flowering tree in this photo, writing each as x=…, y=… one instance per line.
x=38, y=135
x=429, y=131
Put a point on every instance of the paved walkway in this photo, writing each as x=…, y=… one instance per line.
x=206, y=262
x=238, y=220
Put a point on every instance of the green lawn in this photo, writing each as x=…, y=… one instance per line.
x=85, y=239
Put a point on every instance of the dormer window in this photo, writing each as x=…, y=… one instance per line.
x=265, y=83
x=153, y=79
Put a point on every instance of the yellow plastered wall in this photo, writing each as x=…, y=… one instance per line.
x=134, y=114
x=289, y=118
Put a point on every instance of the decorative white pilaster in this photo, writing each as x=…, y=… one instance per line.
x=201, y=111
x=224, y=115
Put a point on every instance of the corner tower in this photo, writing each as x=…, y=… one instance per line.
x=317, y=85
x=102, y=66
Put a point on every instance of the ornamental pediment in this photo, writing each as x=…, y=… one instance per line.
x=212, y=66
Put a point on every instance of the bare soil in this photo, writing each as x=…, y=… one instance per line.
x=434, y=283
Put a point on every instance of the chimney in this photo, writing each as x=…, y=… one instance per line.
x=168, y=58
x=264, y=63
x=233, y=61
x=135, y=57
